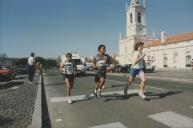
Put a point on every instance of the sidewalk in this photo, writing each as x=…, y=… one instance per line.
x=17, y=98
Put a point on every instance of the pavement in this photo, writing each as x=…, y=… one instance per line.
x=167, y=98
x=20, y=102
x=17, y=99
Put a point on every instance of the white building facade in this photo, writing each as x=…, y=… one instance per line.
x=175, y=52
x=169, y=52
x=135, y=30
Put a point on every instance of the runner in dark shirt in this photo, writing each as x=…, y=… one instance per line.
x=100, y=62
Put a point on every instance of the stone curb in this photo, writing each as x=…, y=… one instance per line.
x=37, y=115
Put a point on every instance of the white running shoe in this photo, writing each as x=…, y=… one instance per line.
x=95, y=93
x=99, y=94
x=69, y=100
x=142, y=94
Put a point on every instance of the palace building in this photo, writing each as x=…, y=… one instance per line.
x=168, y=52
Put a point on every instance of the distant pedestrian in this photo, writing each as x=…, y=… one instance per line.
x=31, y=67
x=39, y=68
x=100, y=62
x=67, y=68
x=137, y=69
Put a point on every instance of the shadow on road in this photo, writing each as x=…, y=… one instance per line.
x=4, y=121
x=151, y=95
x=118, y=85
x=54, y=84
x=11, y=84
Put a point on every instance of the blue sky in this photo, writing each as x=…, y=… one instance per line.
x=53, y=27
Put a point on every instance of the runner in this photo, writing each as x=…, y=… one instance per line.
x=67, y=69
x=100, y=62
x=39, y=68
x=137, y=69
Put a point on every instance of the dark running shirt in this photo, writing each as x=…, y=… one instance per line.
x=102, y=61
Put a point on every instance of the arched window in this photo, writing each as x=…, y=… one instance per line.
x=139, y=17
x=188, y=58
x=165, y=60
x=131, y=18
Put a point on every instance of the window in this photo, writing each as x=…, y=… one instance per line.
x=175, y=58
x=139, y=17
x=131, y=18
x=165, y=60
x=188, y=59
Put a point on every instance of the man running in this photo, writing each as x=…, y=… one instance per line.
x=100, y=62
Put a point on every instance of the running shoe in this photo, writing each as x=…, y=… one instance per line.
x=99, y=94
x=95, y=93
x=69, y=100
x=141, y=94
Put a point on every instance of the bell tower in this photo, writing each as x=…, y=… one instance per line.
x=135, y=18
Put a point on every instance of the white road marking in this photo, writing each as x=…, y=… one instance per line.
x=85, y=97
x=191, y=107
x=73, y=98
x=14, y=87
x=148, y=86
x=155, y=88
x=173, y=119
x=59, y=120
x=112, y=125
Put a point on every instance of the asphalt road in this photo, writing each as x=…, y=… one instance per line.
x=169, y=103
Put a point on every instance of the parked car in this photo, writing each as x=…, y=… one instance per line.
x=7, y=73
x=21, y=69
x=125, y=68
x=89, y=66
x=149, y=68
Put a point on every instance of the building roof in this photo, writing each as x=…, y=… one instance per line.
x=171, y=40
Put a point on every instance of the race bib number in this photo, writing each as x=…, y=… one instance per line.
x=101, y=63
x=68, y=68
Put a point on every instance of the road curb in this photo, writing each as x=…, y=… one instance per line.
x=37, y=115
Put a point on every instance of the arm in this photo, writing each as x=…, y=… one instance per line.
x=137, y=58
x=94, y=63
x=62, y=67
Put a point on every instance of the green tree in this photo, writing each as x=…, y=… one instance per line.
x=21, y=61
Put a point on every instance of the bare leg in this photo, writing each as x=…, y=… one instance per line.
x=102, y=81
x=68, y=87
x=129, y=82
x=142, y=85
x=143, y=80
x=71, y=83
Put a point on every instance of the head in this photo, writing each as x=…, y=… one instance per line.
x=68, y=56
x=32, y=54
x=138, y=46
x=102, y=49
